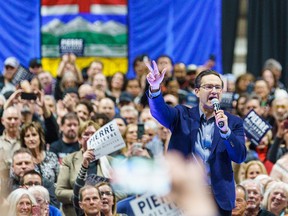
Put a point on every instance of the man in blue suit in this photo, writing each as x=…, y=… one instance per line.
x=196, y=133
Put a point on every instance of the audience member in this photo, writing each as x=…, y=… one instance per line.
x=276, y=198
x=10, y=139
x=90, y=201
x=21, y=202
x=254, y=168
x=240, y=202
x=72, y=164
x=255, y=196
x=41, y=195
x=33, y=138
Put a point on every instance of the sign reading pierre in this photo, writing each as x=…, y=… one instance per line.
x=151, y=205
x=106, y=140
x=255, y=127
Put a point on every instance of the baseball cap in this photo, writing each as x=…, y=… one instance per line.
x=35, y=63
x=11, y=61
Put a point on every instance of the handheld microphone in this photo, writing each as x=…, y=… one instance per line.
x=216, y=107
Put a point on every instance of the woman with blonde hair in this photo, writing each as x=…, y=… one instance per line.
x=21, y=202
x=254, y=168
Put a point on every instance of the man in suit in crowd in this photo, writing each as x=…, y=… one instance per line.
x=197, y=133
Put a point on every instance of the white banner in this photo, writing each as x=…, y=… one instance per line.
x=106, y=140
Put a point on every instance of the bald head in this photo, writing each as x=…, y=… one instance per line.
x=107, y=106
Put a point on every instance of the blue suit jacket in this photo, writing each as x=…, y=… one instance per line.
x=184, y=124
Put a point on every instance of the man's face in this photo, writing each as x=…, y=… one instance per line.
x=22, y=163
x=240, y=203
x=91, y=202
x=30, y=180
x=254, y=196
x=180, y=72
x=70, y=129
x=205, y=94
x=280, y=109
x=107, y=107
x=11, y=120
x=255, y=105
x=99, y=82
x=9, y=72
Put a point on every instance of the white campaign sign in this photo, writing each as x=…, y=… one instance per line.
x=151, y=205
x=106, y=140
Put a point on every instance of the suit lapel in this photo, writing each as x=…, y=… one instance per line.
x=195, y=124
x=216, y=139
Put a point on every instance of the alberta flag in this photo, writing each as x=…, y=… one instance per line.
x=101, y=23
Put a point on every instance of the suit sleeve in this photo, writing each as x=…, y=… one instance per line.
x=64, y=191
x=235, y=144
x=164, y=113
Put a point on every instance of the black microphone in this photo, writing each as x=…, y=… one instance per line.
x=216, y=107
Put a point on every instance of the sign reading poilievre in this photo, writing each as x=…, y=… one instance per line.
x=151, y=205
x=72, y=45
x=106, y=140
x=255, y=127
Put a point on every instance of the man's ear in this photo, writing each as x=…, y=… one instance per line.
x=80, y=205
x=196, y=92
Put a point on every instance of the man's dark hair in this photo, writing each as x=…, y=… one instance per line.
x=30, y=172
x=206, y=73
x=69, y=116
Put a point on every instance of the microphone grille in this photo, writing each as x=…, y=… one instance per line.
x=215, y=101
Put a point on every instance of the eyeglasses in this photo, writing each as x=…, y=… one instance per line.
x=32, y=183
x=210, y=87
x=107, y=193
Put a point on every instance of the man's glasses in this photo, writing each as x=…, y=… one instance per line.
x=107, y=193
x=209, y=87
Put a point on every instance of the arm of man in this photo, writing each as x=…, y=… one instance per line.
x=235, y=143
x=159, y=109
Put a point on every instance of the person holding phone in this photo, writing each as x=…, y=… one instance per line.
x=210, y=136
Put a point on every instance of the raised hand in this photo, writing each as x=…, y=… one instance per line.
x=154, y=77
x=88, y=156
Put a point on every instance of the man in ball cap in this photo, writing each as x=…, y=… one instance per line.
x=11, y=66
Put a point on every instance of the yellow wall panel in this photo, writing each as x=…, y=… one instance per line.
x=111, y=65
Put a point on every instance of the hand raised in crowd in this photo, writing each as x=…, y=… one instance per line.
x=88, y=156
x=69, y=103
x=221, y=117
x=154, y=77
x=281, y=129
